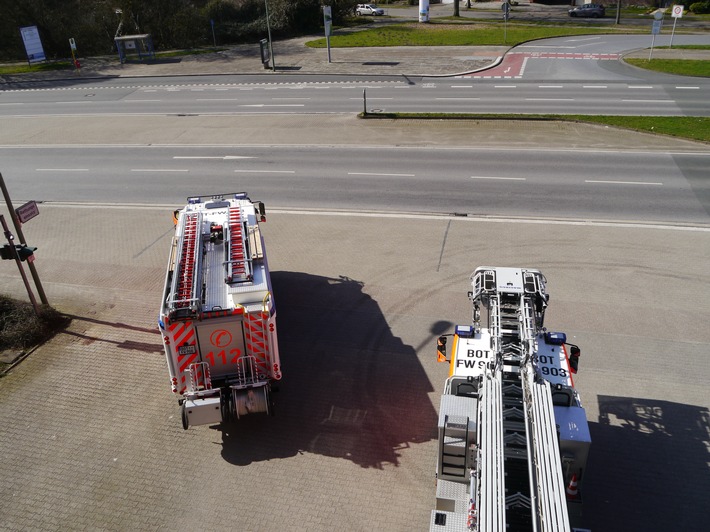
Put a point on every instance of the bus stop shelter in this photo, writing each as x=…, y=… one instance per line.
x=140, y=45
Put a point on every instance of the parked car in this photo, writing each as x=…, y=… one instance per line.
x=588, y=10
x=368, y=9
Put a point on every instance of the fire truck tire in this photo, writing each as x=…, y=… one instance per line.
x=183, y=414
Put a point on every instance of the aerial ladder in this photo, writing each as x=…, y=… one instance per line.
x=513, y=435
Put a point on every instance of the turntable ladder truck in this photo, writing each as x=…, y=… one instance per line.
x=217, y=317
x=513, y=436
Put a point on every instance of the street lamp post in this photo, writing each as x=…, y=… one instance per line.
x=268, y=32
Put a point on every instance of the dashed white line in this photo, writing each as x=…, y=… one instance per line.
x=549, y=99
x=499, y=178
x=649, y=101
x=61, y=169
x=222, y=157
x=505, y=86
x=549, y=86
x=216, y=99
x=159, y=170
x=594, y=86
x=639, y=87
x=265, y=171
x=381, y=175
x=605, y=182
x=140, y=101
x=688, y=88
x=458, y=99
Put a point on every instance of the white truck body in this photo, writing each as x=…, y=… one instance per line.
x=513, y=436
x=218, y=318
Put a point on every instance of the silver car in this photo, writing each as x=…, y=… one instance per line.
x=588, y=10
x=369, y=9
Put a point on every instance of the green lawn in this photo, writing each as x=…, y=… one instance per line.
x=460, y=34
x=680, y=67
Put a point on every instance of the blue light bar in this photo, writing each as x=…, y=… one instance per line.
x=464, y=331
x=555, y=338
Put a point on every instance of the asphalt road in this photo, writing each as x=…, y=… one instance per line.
x=581, y=182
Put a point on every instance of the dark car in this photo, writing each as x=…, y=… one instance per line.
x=588, y=10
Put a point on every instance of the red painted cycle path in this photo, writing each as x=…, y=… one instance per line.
x=513, y=64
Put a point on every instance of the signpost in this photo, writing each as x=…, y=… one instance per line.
x=676, y=13
x=328, y=25
x=27, y=211
x=505, y=6
x=655, y=29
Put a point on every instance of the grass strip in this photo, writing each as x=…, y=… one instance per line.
x=680, y=67
x=478, y=34
x=688, y=127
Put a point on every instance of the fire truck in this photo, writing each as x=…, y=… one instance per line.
x=217, y=317
x=513, y=435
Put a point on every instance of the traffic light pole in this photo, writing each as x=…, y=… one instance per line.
x=11, y=241
x=18, y=230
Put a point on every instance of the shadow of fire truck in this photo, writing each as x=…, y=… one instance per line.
x=350, y=389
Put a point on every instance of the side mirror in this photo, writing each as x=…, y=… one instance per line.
x=441, y=349
x=574, y=354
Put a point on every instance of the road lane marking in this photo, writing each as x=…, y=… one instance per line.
x=594, y=86
x=505, y=86
x=686, y=88
x=549, y=99
x=462, y=98
x=265, y=171
x=649, y=101
x=381, y=175
x=499, y=178
x=273, y=105
x=549, y=86
x=216, y=99
x=461, y=86
x=639, y=86
x=141, y=101
x=222, y=157
x=607, y=182
x=159, y=170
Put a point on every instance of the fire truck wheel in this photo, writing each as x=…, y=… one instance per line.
x=183, y=414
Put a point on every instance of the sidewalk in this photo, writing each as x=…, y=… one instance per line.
x=291, y=56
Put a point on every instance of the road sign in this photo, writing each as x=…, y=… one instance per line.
x=677, y=11
x=72, y=43
x=656, y=28
x=28, y=211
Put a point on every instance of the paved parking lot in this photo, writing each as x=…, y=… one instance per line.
x=90, y=436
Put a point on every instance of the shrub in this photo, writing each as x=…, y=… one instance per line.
x=700, y=8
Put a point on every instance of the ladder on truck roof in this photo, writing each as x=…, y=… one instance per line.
x=186, y=289
x=519, y=472
x=238, y=264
